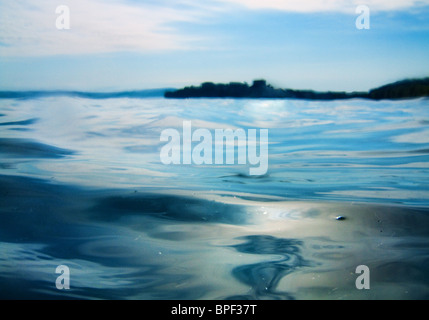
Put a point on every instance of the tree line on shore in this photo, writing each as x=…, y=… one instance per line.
x=405, y=89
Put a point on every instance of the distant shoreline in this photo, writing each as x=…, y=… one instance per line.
x=31, y=94
x=405, y=89
x=401, y=90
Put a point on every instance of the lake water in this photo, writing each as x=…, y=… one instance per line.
x=82, y=185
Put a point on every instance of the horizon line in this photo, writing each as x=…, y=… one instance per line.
x=160, y=88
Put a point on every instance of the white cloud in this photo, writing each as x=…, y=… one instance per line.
x=347, y=6
x=28, y=27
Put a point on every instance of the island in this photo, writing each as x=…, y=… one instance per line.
x=405, y=89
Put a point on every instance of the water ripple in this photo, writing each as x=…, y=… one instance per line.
x=264, y=277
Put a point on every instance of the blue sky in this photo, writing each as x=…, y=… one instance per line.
x=130, y=44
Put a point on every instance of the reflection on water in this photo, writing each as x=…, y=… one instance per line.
x=169, y=207
x=81, y=184
x=28, y=149
x=263, y=277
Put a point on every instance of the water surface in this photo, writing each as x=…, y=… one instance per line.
x=82, y=185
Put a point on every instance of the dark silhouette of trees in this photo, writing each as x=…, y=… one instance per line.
x=402, y=90
x=260, y=89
